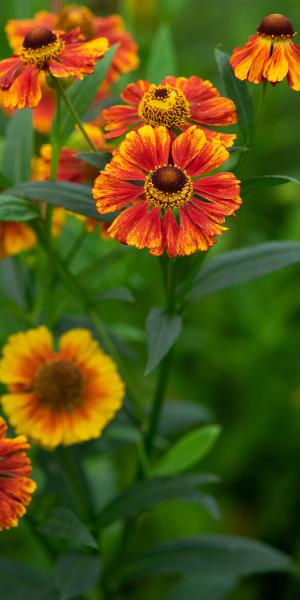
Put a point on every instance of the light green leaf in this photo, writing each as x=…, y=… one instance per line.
x=64, y=523
x=238, y=92
x=81, y=94
x=147, y=494
x=187, y=451
x=243, y=265
x=16, y=209
x=253, y=184
x=162, y=59
x=18, y=148
x=76, y=574
x=162, y=332
x=214, y=555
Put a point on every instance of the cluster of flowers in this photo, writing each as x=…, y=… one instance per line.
x=157, y=179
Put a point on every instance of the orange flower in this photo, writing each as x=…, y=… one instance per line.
x=14, y=238
x=62, y=55
x=16, y=487
x=270, y=54
x=176, y=103
x=171, y=205
x=62, y=396
x=90, y=25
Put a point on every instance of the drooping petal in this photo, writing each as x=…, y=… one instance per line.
x=192, y=238
x=293, y=57
x=248, y=61
x=215, y=111
x=78, y=58
x=277, y=67
x=118, y=118
x=134, y=92
x=25, y=90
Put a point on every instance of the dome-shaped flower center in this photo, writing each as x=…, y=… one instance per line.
x=164, y=105
x=73, y=16
x=276, y=25
x=168, y=187
x=58, y=384
x=41, y=45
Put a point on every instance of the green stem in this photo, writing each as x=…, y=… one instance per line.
x=158, y=401
x=55, y=151
x=77, y=485
x=74, y=113
x=251, y=141
x=76, y=245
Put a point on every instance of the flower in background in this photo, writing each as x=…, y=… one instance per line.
x=62, y=396
x=169, y=204
x=176, y=102
x=269, y=55
x=91, y=26
x=61, y=55
x=15, y=237
x=16, y=487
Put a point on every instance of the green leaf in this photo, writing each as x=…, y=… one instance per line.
x=18, y=148
x=238, y=92
x=63, y=523
x=21, y=582
x=81, y=94
x=188, y=450
x=72, y=196
x=121, y=293
x=16, y=209
x=214, y=555
x=162, y=332
x=147, y=494
x=162, y=59
x=76, y=574
x=172, y=8
x=252, y=184
x=243, y=265
x=211, y=587
x=97, y=159
x=180, y=415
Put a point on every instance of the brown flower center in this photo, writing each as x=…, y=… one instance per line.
x=164, y=105
x=41, y=45
x=38, y=37
x=73, y=16
x=58, y=384
x=168, y=187
x=276, y=25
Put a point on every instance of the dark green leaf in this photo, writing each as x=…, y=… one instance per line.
x=214, y=555
x=21, y=582
x=162, y=59
x=179, y=415
x=81, y=94
x=253, y=184
x=207, y=588
x=243, y=265
x=16, y=209
x=97, y=159
x=18, y=147
x=237, y=90
x=162, y=332
x=63, y=523
x=188, y=450
x=76, y=574
x=147, y=494
x=74, y=197
x=121, y=293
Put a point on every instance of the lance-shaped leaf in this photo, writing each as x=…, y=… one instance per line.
x=97, y=159
x=162, y=332
x=238, y=92
x=146, y=494
x=81, y=94
x=64, y=523
x=215, y=555
x=243, y=265
x=253, y=184
x=21, y=582
x=162, y=58
x=71, y=196
x=18, y=148
x=16, y=209
x=76, y=574
x=188, y=450
x=205, y=587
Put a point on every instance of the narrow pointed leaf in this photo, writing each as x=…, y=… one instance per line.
x=162, y=59
x=64, y=523
x=253, y=184
x=16, y=209
x=97, y=159
x=162, y=332
x=207, y=588
x=243, y=265
x=76, y=574
x=18, y=148
x=21, y=582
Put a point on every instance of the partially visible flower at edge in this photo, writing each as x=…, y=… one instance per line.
x=156, y=179
x=62, y=55
x=16, y=486
x=15, y=237
x=270, y=54
x=59, y=397
x=176, y=102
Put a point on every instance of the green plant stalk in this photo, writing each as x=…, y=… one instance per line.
x=77, y=485
x=55, y=145
x=74, y=113
x=259, y=113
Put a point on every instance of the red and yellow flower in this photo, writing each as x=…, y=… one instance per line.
x=44, y=50
x=270, y=55
x=62, y=396
x=156, y=181
x=14, y=238
x=16, y=486
x=176, y=102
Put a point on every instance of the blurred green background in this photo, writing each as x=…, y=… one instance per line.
x=239, y=355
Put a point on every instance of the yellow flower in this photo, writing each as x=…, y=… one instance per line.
x=63, y=396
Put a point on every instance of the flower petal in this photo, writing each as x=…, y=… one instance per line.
x=210, y=157
x=112, y=193
x=187, y=146
x=248, y=61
